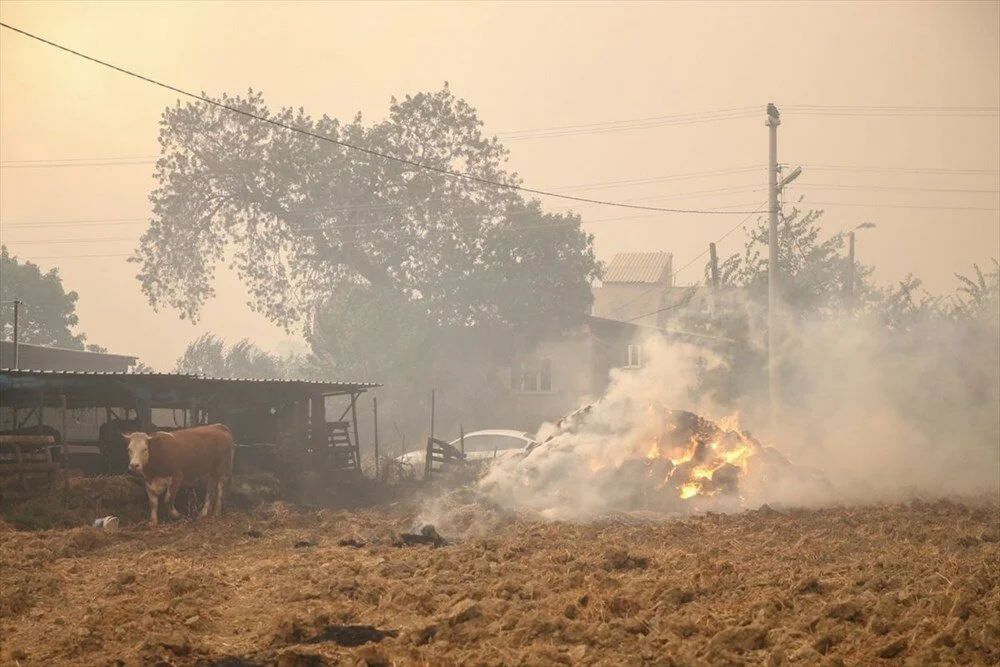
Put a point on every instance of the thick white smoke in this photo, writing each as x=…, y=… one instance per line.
x=572, y=476
x=867, y=414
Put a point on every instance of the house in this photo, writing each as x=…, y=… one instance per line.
x=42, y=358
x=638, y=287
x=560, y=375
x=637, y=297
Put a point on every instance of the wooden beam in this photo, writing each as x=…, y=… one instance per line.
x=21, y=468
x=28, y=440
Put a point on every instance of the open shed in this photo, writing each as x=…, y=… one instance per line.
x=282, y=424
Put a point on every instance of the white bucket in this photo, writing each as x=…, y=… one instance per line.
x=108, y=523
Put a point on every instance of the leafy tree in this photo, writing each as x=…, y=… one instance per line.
x=208, y=355
x=305, y=217
x=979, y=296
x=48, y=315
x=391, y=271
x=813, y=285
x=934, y=359
x=813, y=269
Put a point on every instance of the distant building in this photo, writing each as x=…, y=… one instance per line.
x=638, y=288
x=557, y=376
x=41, y=358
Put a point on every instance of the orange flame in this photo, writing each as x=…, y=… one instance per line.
x=704, y=457
x=689, y=490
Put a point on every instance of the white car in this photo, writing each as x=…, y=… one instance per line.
x=479, y=446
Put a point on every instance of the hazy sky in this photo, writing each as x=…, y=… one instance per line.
x=525, y=67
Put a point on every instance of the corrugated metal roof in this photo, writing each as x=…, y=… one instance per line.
x=185, y=376
x=639, y=267
x=369, y=385
x=47, y=348
x=38, y=371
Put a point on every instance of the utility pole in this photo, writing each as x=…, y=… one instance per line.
x=714, y=265
x=773, y=121
x=17, y=308
x=850, y=278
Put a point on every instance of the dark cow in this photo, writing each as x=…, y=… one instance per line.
x=165, y=460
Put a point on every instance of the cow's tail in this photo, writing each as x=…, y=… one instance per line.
x=232, y=468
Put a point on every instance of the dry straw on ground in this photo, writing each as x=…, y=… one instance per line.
x=901, y=584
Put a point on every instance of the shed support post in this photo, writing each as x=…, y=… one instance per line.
x=375, y=409
x=354, y=420
x=65, y=454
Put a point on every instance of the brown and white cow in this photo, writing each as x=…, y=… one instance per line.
x=166, y=459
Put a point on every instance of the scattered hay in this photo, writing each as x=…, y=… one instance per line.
x=80, y=541
x=854, y=585
x=620, y=559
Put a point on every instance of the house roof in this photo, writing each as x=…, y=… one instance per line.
x=639, y=267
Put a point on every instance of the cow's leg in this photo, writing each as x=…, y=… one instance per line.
x=209, y=492
x=220, y=481
x=175, y=486
x=154, y=488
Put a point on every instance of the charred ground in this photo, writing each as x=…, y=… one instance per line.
x=913, y=583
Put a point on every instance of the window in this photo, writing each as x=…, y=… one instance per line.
x=534, y=377
x=634, y=356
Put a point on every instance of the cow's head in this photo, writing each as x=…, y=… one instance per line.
x=138, y=451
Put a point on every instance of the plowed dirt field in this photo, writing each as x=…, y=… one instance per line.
x=915, y=583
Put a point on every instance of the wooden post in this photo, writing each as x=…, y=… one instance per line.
x=318, y=435
x=461, y=436
x=354, y=420
x=20, y=466
x=432, y=412
x=17, y=336
x=375, y=410
x=65, y=452
x=53, y=475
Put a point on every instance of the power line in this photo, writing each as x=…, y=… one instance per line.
x=33, y=259
x=894, y=111
x=357, y=208
x=659, y=179
x=624, y=127
x=367, y=151
x=902, y=170
x=838, y=186
x=863, y=107
x=60, y=241
x=77, y=159
x=369, y=225
x=42, y=164
x=908, y=206
x=614, y=123
x=742, y=112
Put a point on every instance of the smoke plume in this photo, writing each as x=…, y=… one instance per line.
x=867, y=413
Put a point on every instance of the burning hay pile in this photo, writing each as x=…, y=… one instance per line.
x=591, y=463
